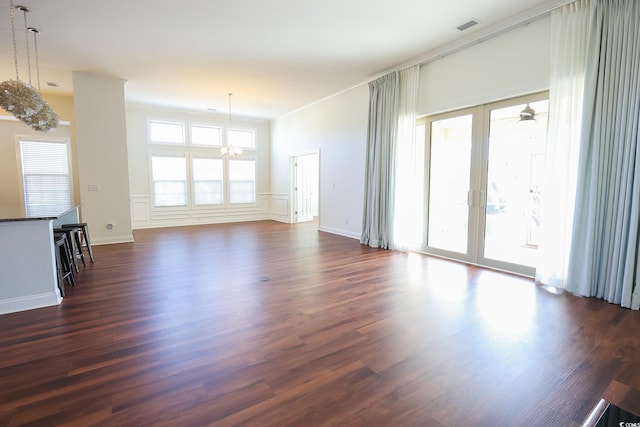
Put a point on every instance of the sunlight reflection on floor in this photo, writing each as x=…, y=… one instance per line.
x=506, y=308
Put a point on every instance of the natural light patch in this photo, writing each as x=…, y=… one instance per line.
x=506, y=310
x=415, y=269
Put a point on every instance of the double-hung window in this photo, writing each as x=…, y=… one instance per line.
x=169, y=174
x=208, y=188
x=46, y=177
x=242, y=181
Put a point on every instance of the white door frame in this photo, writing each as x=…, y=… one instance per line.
x=293, y=206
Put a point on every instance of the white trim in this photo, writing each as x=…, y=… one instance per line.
x=339, y=232
x=97, y=241
x=29, y=302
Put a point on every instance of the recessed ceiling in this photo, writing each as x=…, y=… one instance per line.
x=274, y=56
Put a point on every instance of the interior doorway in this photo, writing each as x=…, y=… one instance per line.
x=305, y=187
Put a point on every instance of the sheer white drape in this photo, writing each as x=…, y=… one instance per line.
x=392, y=217
x=605, y=244
x=407, y=215
x=569, y=33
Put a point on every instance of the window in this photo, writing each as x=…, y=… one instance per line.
x=166, y=132
x=241, y=138
x=207, y=181
x=242, y=181
x=205, y=135
x=189, y=171
x=169, y=174
x=45, y=176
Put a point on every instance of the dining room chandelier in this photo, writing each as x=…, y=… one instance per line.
x=230, y=150
x=22, y=99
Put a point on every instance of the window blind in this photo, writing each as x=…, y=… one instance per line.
x=45, y=176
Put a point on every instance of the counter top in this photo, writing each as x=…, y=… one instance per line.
x=17, y=213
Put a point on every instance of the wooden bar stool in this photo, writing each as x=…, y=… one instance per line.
x=84, y=229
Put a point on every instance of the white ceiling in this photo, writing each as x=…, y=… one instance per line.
x=274, y=55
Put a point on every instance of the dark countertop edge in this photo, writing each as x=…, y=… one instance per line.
x=39, y=218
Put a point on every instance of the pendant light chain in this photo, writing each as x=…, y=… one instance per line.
x=24, y=10
x=35, y=46
x=229, y=112
x=13, y=34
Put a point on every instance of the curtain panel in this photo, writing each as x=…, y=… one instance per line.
x=392, y=216
x=407, y=216
x=604, y=249
x=377, y=223
x=569, y=32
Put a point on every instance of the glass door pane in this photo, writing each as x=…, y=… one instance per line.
x=514, y=173
x=449, y=174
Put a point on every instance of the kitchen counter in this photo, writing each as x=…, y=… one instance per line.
x=17, y=213
x=28, y=277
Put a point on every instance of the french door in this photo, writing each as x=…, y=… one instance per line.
x=483, y=181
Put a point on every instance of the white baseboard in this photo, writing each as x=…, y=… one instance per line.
x=188, y=222
x=339, y=232
x=29, y=302
x=128, y=238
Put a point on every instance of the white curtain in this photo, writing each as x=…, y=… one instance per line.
x=392, y=215
x=569, y=33
x=380, y=167
x=407, y=215
x=604, y=252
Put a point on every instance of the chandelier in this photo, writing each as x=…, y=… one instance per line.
x=230, y=150
x=22, y=99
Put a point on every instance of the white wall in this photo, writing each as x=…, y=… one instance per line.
x=102, y=157
x=142, y=212
x=511, y=64
x=337, y=127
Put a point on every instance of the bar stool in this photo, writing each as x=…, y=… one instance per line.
x=84, y=229
x=63, y=263
x=73, y=243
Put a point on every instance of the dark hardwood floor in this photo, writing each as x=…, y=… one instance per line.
x=269, y=324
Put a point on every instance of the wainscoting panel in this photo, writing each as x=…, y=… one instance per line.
x=280, y=207
x=140, y=208
x=269, y=206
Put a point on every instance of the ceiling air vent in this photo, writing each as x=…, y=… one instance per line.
x=467, y=25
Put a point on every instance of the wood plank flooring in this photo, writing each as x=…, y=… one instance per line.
x=269, y=324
